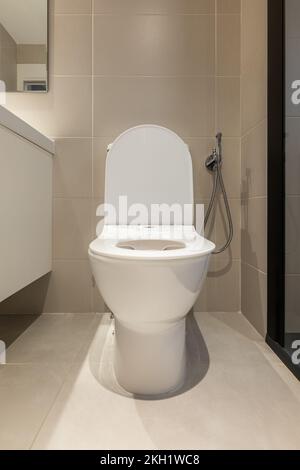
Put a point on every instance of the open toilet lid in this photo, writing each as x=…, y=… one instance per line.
x=149, y=164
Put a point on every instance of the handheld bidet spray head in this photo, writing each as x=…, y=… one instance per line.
x=212, y=161
x=215, y=159
x=219, y=138
x=214, y=164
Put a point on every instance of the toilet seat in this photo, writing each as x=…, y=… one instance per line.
x=114, y=242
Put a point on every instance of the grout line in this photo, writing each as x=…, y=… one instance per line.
x=198, y=137
x=253, y=267
x=93, y=216
x=254, y=127
x=66, y=377
x=83, y=13
x=241, y=155
x=137, y=14
x=72, y=76
x=86, y=260
x=254, y=197
x=47, y=414
x=160, y=76
x=156, y=76
x=68, y=198
x=72, y=197
x=93, y=95
x=72, y=138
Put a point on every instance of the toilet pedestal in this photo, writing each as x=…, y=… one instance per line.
x=150, y=358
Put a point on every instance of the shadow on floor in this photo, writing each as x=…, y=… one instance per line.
x=21, y=310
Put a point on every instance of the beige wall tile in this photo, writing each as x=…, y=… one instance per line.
x=71, y=112
x=210, y=230
x=222, y=229
x=231, y=166
x=71, y=228
x=228, y=47
x=185, y=105
x=98, y=304
x=228, y=106
x=71, y=6
x=200, y=149
x=221, y=291
x=72, y=53
x=254, y=233
x=228, y=6
x=227, y=285
x=254, y=162
x=254, y=297
x=254, y=63
x=254, y=36
x=254, y=100
x=70, y=287
x=154, y=6
x=225, y=295
x=154, y=45
x=99, y=163
x=73, y=168
x=96, y=229
x=63, y=112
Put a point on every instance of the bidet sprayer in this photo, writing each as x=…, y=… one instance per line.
x=214, y=164
x=215, y=159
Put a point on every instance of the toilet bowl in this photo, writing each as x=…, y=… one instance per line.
x=149, y=275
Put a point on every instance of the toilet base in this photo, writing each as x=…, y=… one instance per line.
x=150, y=358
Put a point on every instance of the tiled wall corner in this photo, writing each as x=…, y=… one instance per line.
x=222, y=290
x=254, y=162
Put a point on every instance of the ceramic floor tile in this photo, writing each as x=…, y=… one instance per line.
x=233, y=407
x=229, y=337
x=232, y=400
x=27, y=393
x=51, y=339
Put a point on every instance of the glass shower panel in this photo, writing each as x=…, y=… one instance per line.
x=292, y=178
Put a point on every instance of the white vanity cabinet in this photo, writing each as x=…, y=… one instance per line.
x=26, y=161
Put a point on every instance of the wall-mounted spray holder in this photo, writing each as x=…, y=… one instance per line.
x=214, y=164
x=215, y=159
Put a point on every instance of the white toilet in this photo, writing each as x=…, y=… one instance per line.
x=149, y=275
